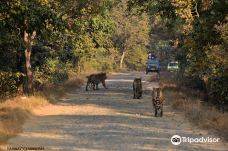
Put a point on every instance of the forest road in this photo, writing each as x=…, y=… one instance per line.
x=108, y=120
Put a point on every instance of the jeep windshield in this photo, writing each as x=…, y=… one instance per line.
x=152, y=62
x=173, y=64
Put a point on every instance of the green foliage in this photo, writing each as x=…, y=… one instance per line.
x=69, y=34
x=131, y=35
x=8, y=83
x=53, y=71
x=136, y=59
x=98, y=64
x=206, y=54
x=200, y=27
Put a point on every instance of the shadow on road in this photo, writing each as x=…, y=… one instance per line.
x=107, y=119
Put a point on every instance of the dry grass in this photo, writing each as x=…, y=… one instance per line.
x=197, y=112
x=207, y=117
x=25, y=103
x=54, y=92
x=153, y=78
x=178, y=105
x=72, y=84
x=14, y=112
x=11, y=121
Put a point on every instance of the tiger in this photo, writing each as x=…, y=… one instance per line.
x=157, y=101
x=93, y=80
x=137, y=88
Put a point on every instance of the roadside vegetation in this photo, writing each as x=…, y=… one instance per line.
x=13, y=114
x=190, y=103
x=197, y=39
x=16, y=110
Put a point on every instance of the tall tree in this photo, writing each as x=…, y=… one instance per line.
x=31, y=21
x=29, y=18
x=132, y=34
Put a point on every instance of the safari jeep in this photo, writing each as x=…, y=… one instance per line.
x=173, y=66
x=152, y=66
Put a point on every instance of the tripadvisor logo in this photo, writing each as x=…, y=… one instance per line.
x=176, y=140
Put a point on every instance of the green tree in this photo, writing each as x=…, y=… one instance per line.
x=27, y=19
x=132, y=35
x=201, y=30
x=45, y=26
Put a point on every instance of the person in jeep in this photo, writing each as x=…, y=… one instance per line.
x=152, y=64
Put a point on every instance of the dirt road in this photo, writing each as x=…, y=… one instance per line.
x=106, y=120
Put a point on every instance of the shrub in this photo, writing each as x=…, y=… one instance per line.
x=53, y=71
x=136, y=59
x=8, y=83
x=98, y=63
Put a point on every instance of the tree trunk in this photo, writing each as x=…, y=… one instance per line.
x=121, y=61
x=205, y=81
x=29, y=71
x=29, y=40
